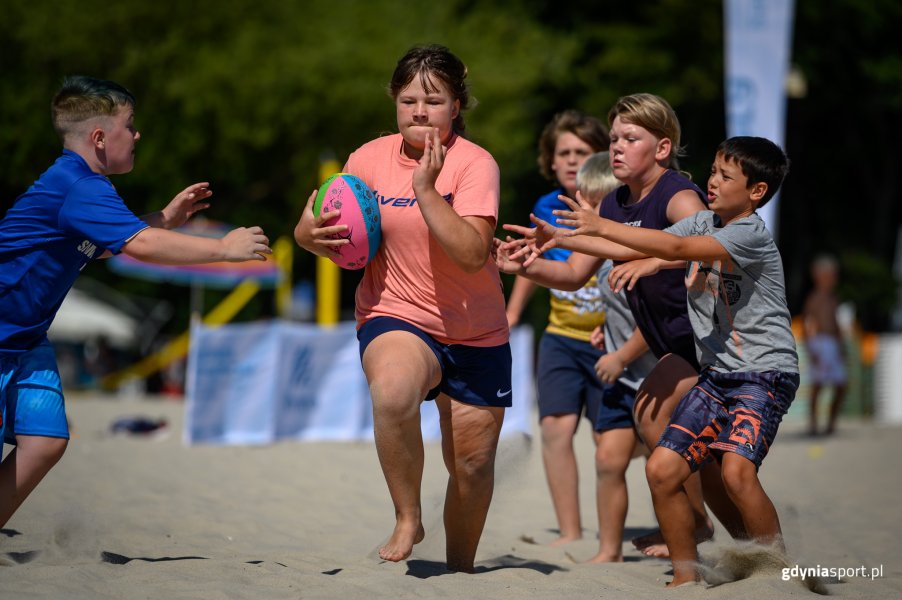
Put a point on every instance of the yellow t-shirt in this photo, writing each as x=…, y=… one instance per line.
x=575, y=314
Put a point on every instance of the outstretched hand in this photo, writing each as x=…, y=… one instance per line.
x=246, y=243
x=509, y=254
x=186, y=203
x=582, y=217
x=535, y=240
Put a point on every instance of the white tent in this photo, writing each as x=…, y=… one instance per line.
x=82, y=317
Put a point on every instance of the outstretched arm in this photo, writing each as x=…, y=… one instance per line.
x=571, y=274
x=650, y=242
x=159, y=245
x=545, y=236
x=653, y=242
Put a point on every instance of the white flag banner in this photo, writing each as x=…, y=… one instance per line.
x=262, y=382
x=758, y=39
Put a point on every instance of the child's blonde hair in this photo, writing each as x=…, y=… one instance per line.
x=595, y=179
x=654, y=114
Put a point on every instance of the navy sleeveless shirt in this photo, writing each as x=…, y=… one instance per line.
x=658, y=302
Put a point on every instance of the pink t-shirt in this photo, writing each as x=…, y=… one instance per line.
x=411, y=277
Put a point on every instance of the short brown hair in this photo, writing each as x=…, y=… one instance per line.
x=81, y=98
x=587, y=128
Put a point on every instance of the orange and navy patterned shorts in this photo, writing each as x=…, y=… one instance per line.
x=730, y=412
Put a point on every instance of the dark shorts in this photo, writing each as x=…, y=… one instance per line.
x=475, y=375
x=730, y=412
x=566, y=379
x=616, y=410
x=31, y=395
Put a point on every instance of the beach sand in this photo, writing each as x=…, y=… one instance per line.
x=147, y=517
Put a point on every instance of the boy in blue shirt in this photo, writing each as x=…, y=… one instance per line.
x=744, y=341
x=69, y=216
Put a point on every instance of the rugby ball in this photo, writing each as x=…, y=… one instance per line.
x=359, y=211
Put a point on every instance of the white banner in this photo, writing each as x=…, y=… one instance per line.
x=758, y=37
x=262, y=382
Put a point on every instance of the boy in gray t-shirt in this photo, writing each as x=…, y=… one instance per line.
x=742, y=327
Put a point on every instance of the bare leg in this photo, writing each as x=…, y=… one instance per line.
x=469, y=442
x=720, y=503
x=812, y=407
x=662, y=390
x=742, y=484
x=613, y=451
x=24, y=468
x=666, y=470
x=400, y=370
x=839, y=394
x=562, y=474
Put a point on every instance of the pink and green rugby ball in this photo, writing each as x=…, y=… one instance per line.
x=359, y=211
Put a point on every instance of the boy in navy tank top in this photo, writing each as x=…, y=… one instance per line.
x=744, y=340
x=645, y=136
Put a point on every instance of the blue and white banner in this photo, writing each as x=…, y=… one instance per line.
x=758, y=39
x=262, y=382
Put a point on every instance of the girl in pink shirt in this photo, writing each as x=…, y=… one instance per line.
x=430, y=307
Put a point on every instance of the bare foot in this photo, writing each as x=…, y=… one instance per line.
x=681, y=583
x=400, y=544
x=604, y=557
x=653, y=544
x=564, y=540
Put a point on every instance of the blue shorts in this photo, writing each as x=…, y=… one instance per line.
x=475, y=375
x=730, y=412
x=616, y=410
x=31, y=395
x=565, y=377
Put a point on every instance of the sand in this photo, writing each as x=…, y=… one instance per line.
x=147, y=517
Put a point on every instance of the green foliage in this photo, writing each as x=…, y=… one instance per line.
x=249, y=95
x=868, y=283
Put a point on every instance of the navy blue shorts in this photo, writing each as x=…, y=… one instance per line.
x=31, y=395
x=616, y=410
x=567, y=384
x=730, y=412
x=475, y=375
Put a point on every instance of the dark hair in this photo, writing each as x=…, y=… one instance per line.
x=81, y=98
x=439, y=62
x=587, y=128
x=760, y=159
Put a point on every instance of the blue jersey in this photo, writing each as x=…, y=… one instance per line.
x=574, y=314
x=542, y=209
x=658, y=302
x=68, y=217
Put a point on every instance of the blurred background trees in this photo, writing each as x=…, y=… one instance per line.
x=251, y=95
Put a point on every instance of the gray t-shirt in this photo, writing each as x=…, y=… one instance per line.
x=738, y=307
x=618, y=327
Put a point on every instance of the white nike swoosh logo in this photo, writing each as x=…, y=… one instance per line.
x=501, y=394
